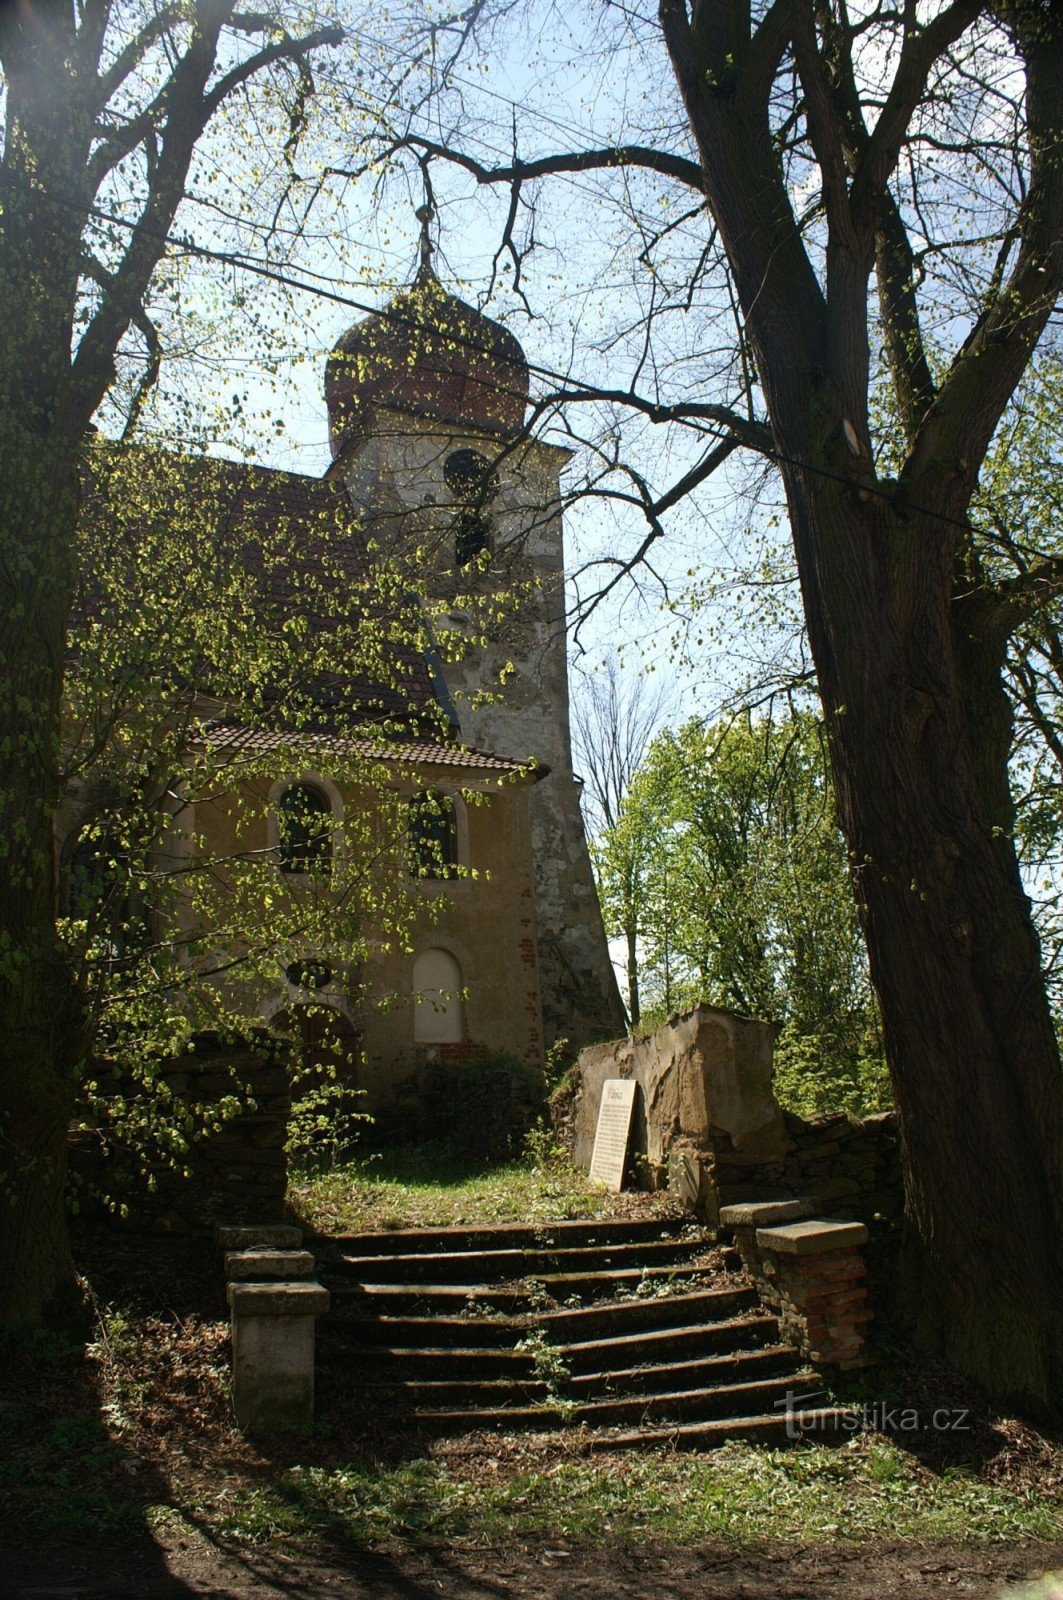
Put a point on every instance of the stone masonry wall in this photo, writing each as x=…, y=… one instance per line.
x=237, y=1173
x=708, y=1124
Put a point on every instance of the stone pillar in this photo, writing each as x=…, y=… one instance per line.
x=273, y=1353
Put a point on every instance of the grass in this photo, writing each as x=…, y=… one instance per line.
x=432, y=1186
x=741, y=1495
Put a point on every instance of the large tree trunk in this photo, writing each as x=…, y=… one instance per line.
x=40, y=1040
x=918, y=726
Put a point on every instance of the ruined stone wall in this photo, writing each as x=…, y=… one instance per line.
x=235, y=1174
x=852, y=1165
x=708, y=1124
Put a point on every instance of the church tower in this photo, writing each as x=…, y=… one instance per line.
x=427, y=403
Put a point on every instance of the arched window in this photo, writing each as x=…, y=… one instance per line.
x=433, y=835
x=95, y=888
x=304, y=830
x=470, y=476
x=473, y=482
x=437, y=1015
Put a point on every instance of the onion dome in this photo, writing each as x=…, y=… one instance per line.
x=429, y=354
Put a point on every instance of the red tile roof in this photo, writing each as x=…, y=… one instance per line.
x=239, y=739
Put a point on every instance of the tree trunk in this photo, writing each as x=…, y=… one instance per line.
x=634, y=1008
x=40, y=1044
x=918, y=729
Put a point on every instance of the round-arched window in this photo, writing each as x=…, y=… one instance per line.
x=433, y=835
x=304, y=829
x=470, y=476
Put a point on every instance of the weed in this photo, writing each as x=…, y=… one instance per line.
x=550, y=1366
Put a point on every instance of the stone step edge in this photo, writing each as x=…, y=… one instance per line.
x=663, y=1227
x=584, y=1412
x=347, y=1263
x=826, y=1423
x=552, y=1280
x=697, y=1367
x=495, y=1353
x=692, y=1302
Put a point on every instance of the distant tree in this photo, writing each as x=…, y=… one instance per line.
x=613, y=720
x=745, y=898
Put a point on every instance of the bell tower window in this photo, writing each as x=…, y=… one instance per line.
x=433, y=835
x=473, y=483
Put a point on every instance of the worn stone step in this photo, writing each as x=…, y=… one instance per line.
x=506, y=1265
x=403, y=1396
x=734, y=1366
x=404, y=1393
x=827, y=1423
x=520, y=1295
x=696, y=1308
x=486, y=1360
x=507, y=1235
x=670, y=1344
x=695, y=1305
x=734, y=1400
x=366, y=1363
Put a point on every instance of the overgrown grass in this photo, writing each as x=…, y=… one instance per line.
x=433, y=1186
x=742, y=1495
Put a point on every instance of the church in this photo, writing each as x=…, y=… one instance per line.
x=432, y=462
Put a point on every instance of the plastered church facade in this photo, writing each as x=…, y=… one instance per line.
x=427, y=403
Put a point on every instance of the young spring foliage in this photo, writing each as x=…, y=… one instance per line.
x=727, y=861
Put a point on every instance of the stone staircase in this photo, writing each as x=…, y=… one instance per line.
x=640, y=1331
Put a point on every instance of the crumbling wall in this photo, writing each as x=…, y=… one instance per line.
x=236, y=1172
x=708, y=1124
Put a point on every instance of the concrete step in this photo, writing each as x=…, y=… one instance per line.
x=735, y=1400
x=506, y=1265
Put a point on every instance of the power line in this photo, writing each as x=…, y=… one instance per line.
x=423, y=325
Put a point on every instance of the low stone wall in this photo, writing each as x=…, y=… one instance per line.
x=850, y=1164
x=235, y=1173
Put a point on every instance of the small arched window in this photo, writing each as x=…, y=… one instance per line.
x=433, y=835
x=473, y=482
x=304, y=830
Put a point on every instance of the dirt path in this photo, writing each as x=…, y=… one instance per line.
x=184, y=1566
